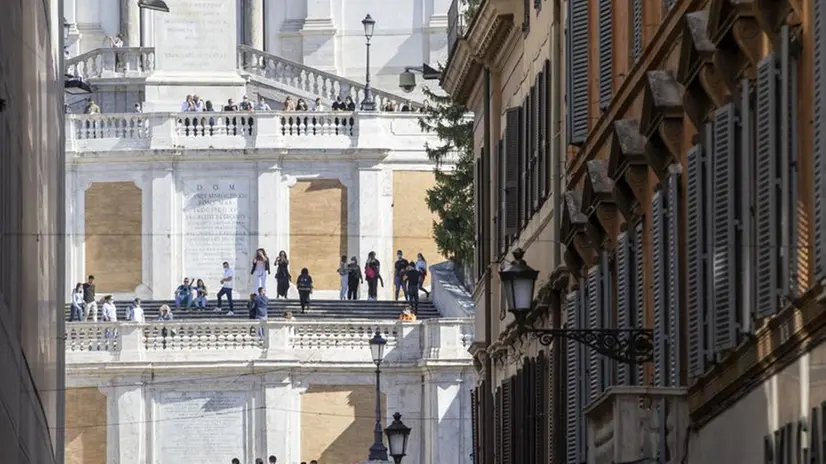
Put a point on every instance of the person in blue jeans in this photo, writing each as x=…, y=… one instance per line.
x=260, y=305
x=226, y=290
x=398, y=275
x=183, y=294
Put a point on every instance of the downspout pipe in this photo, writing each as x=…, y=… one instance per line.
x=486, y=203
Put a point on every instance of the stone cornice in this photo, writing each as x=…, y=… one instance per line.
x=598, y=203
x=627, y=167
x=704, y=87
x=662, y=120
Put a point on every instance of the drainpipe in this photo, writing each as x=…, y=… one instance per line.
x=488, y=425
x=557, y=152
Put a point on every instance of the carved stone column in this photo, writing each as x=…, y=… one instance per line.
x=254, y=23
x=130, y=22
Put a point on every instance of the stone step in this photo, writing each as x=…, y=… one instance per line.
x=323, y=309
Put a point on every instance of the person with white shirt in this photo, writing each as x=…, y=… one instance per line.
x=319, y=106
x=110, y=312
x=226, y=289
x=135, y=312
x=262, y=105
x=76, y=313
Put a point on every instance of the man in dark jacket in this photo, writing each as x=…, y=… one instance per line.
x=261, y=308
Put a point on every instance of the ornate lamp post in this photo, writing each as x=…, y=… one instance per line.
x=629, y=346
x=368, y=104
x=378, y=452
x=397, y=435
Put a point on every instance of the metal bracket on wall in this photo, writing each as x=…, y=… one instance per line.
x=629, y=346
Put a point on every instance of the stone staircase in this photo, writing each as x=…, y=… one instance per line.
x=117, y=76
x=319, y=309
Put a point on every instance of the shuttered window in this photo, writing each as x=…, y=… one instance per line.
x=658, y=273
x=542, y=390
x=501, y=189
x=696, y=255
x=606, y=317
x=573, y=391
x=577, y=72
x=512, y=173
x=536, y=165
x=818, y=128
x=625, y=319
x=744, y=227
x=767, y=223
x=788, y=167
x=547, y=130
x=606, y=52
x=474, y=419
x=523, y=166
x=507, y=422
x=672, y=255
x=497, y=424
x=478, y=213
x=594, y=308
x=724, y=250
x=636, y=29
x=638, y=286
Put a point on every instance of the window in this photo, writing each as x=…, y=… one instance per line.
x=605, y=42
x=577, y=72
x=575, y=379
x=636, y=30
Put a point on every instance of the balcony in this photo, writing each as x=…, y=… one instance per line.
x=455, y=24
x=428, y=342
x=105, y=63
x=95, y=133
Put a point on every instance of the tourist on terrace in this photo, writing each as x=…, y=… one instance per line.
x=260, y=268
x=76, y=308
x=413, y=278
x=90, y=304
x=246, y=104
x=349, y=104
x=200, y=295
x=208, y=107
x=301, y=105
x=91, y=107
x=407, y=107
x=421, y=266
x=262, y=105
x=183, y=294
x=338, y=105
x=261, y=308
x=304, y=283
x=319, y=106
x=343, y=274
x=165, y=314
x=407, y=315
x=390, y=106
x=272, y=459
x=187, y=104
x=197, y=104
x=289, y=104
x=398, y=275
x=138, y=108
x=110, y=312
x=226, y=289
x=251, y=306
x=282, y=275
x=231, y=106
x=372, y=270
x=116, y=41
x=135, y=313
x=354, y=278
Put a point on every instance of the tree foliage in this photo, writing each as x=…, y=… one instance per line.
x=451, y=198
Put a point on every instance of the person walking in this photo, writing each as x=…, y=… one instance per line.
x=90, y=304
x=260, y=268
x=354, y=278
x=372, y=271
x=400, y=268
x=282, y=274
x=226, y=289
x=76, y=311
x=421, y=266
x=305, y=288
x=261, y=308
x=343, y=274
x=413, y=278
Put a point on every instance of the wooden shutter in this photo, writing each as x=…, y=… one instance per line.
x=507, y=422
x=819, y=152
x=501, y=195
x=577, y=72
x=477, y=212
x=673, y=259
x=474, y=419
x=542, y=145
x=638, y=273
x=766, y=219
x=536, y=137
x=497, y=423
x=606, y=318
x=636, y=33
x=745, y=240
x=523, y=163
x=512, y=173
x=695, y=257
x=573, y=409
x=658, y=289
x=605, y=77
x=724, y=252
x=549, y=130
x=543, y=408
x=624, y=317
x=788, y=165
x=594, y=309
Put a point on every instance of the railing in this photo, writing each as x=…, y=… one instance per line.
x=307, y=341
x=112, y=62
x=310, y=80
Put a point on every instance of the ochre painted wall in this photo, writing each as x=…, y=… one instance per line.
x=318, y=230
x=85, y=426
x=412, y=219
x=113, y=236
x=337, y=422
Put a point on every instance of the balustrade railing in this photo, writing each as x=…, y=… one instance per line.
x=433, y=339
x=307, y=79
x=112, y=62
x=107, y=126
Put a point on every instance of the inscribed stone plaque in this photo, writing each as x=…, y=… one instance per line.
x=201, y=427
x=196, y=36
x=216, y=226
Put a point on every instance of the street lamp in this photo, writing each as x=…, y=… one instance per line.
x=397, y=435
x=377, y=451
x=628, y=346
x=368, y=104
x=157, y=5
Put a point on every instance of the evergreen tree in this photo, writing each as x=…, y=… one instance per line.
x=451, y=198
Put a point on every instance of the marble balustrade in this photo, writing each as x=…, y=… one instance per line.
x=445, y=339
x=103, y=63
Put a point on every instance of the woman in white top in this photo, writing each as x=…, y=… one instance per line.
x=110, y=312
x=421, y=266
x=135, y=312
x=260, y=269
x=76, y=312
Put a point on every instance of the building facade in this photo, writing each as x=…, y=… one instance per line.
x=31, y=233
x=692, y=207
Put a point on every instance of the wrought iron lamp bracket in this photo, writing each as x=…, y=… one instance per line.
x=628, y=346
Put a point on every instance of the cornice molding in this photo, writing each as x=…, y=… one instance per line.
x=627, y=167
x=662, y=120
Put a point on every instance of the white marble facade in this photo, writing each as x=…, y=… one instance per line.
x=194, y=397
x=324, y=34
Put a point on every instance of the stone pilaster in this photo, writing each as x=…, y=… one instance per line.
x=270, y=223
x=403, y=395
x=164, y=270
x=254, y=23
x=130, y=22
x=126, y=420
x=369, y=231
x=446, y=411
x=317, y=32
x=283, y=418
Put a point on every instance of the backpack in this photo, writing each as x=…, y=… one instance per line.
x=304, y=282
x=370, y=272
